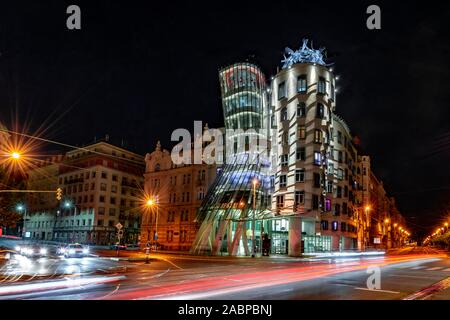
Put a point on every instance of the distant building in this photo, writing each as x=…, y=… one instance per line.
x=102, y=185
x=178, y=191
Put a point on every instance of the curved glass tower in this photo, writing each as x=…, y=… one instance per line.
x=232, y=213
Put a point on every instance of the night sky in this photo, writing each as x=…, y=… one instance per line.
x=138, y=70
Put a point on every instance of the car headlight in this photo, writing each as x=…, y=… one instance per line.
x=17, y=248
x=43, y=251
x=62, y=250
x=71, y=251
x=85, y=250
x=29, y=251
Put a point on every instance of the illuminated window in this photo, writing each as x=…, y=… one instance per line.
x=317, y=158
x=330, y=186
x=324, y=224
x=334, y=226
x=318, y=136
x=301, y=132
x=302, y=85
x=327, y=204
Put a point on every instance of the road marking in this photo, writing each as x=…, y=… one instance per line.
x=429, y=291
x=376, y=290
x=434, y=268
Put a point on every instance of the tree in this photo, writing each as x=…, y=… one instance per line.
x=8, y=201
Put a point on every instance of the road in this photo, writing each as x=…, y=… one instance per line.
x=407, y=274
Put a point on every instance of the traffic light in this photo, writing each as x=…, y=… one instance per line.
x=59, y=194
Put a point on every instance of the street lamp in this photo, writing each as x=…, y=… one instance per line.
x=15, y=155
x=68, y=205
x=150, y=203
x=22, y=208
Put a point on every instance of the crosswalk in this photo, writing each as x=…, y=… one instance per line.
x=424, y=268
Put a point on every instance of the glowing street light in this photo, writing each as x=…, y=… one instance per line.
x=367, y=208
x=150, y=202
x=386, y=220
x=15, y=155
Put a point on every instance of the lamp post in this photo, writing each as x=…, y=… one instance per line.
x=150, y=203
x=68, y=205
x=22, y=208
x=254, y=182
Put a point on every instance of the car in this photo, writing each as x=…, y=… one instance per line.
x=132, y=247
x=118, y=247
x=32, y=251
x=74, y=250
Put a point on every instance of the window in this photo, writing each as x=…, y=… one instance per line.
x=339, y=192
x=91, y=198
x=299, y=197
x=316, y=177
x=301, y=154
x=315, y=201
x=104, y=175
x=333, y=93
x=321, y=86
x=302, y=85
x=112, y=200
x=283, y=181
x=324, y=224
x=101, y=210
x=345, y=191
x=280, y=201
x=320, y=111
x=272, y=121
x=103, y=186
x=284, y=114
x=327, y=204
x=114, y=177
x=301, y=132
x=93, y=186
x=337, y=209
x=334, y=225
x=300, y=175
x=284, y=160
x=301, y=110
x=112, y=212
x=281, y=90
x=100, y=222
x=102, y=198
x=344, y=208
x=285, y=138
x=343, y=226
x=330, y=186
x=93, y=174
x=169, y=235
x=114, y=189
x=317, y=158
x=86, y=186
x=340, y=174
x=340, y=156
x=339, y=137
x=317, y=136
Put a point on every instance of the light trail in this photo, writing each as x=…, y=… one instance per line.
x=207, y=287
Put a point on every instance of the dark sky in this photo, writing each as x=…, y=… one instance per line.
x=137, y=70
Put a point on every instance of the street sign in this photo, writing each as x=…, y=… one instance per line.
x=119, y=226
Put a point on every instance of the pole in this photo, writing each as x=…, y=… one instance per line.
x=73, y=227
x=254, y=220
x=157, y=213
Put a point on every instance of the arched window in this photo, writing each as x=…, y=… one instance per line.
x=157, y=167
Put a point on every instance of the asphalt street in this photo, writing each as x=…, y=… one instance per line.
x=413, y=274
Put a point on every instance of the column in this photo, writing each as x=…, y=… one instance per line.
x=295, y=236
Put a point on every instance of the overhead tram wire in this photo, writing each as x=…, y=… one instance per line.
x=65, y=145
